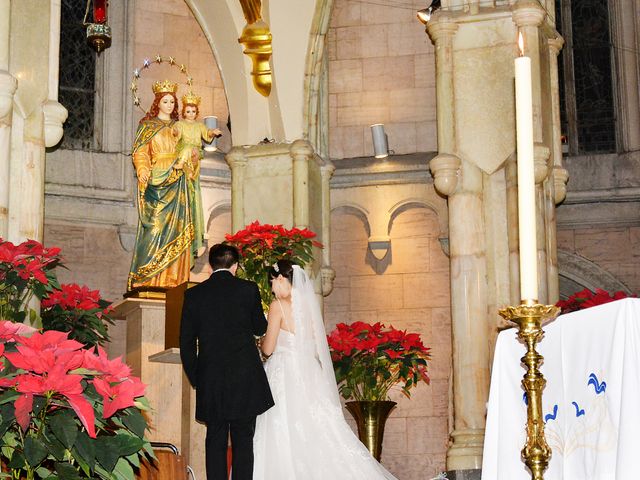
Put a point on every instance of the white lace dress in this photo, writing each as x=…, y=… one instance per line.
x=305, y=436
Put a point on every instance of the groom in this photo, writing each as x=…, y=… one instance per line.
x=220, y=317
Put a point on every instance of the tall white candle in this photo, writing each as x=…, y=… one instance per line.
x=526, y=182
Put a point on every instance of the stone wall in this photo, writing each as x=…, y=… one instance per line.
x=381, y=70
x=600, y=219
x=408, y=289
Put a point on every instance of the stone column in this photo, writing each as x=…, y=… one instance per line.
x=328, y=273
x=462, y=182
x=237, y=161
x=556, y=186
x=8, y=87
x=301, y=153
x=37, y=117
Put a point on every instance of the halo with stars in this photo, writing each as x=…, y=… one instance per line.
x=148, y=63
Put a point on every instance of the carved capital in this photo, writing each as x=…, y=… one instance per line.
x=441, y=27
x=8, y=85
x=327, y=170
x=560, y=179
x=327, y=276
x=528, y=13
x=556, y=44
x=54, y=116
x=541, y=162
x=236, y=157
x=446, y=170
x=301, y=150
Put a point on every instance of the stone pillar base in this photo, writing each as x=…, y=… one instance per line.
x=466, y=451
x=474, y=474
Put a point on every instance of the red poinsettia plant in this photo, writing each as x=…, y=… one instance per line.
x=586, y=298
x=67, y=411
x=27, y=272
x=261, y=245
x=370, y=359
x=78, y=310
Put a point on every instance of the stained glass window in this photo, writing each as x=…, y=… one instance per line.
x=77, y=77
x=586, y=69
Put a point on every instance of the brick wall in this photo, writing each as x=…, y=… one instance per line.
x=381, y=70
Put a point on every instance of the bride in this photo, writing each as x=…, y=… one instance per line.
x=305, y=435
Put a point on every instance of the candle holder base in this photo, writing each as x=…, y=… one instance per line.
x=529, y=317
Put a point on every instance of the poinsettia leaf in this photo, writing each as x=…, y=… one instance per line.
x=17, y=460
x=55, y=448
x=8, y=396
x=86, y=449
x=34, y=451
x=128, y=444
x=135, y=422
x=44, y=472
x=134, y=459
x=107, y=452
x=123, y=470
x=67, y=471
x=64, y=428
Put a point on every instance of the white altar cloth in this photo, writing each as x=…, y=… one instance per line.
x=591, y=402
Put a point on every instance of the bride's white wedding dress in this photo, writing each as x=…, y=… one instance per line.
x=305, y=436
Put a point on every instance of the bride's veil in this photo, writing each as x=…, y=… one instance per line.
x=311, y=339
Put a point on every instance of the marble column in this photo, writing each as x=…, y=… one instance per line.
x=8, y=87
x=463, y=183
x=476, y=169
x=556, y=189
x=36, y=118
x=237, y=161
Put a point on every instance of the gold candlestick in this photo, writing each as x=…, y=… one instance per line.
x=529, y=317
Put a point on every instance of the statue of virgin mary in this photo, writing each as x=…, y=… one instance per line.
x=165, y=248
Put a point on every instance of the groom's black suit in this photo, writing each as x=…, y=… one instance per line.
x=220, y=317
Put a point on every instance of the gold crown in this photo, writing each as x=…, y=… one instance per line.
x=165, y=86
x=191, y=98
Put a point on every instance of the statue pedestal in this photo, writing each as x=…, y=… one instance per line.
x=145, y=332
x=140, y=332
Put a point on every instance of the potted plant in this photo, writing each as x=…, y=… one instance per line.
x=27, y=274
x=67, y=411
x=261, y=246
x=368, y=361
x=586, y=298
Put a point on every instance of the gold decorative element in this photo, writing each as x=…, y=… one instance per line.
x=528, y=317
x=256, y=38
x=252, y=10
x=191, y=98
x=370, y=416
x=166, y=86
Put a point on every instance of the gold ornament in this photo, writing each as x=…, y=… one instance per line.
x=529, y=317
x=165, y=86
x=191, y=98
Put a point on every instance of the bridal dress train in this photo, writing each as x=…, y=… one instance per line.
x=305, y=436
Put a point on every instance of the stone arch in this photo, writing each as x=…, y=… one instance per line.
x=406, y=204
x=355, y=210
x=577, y=272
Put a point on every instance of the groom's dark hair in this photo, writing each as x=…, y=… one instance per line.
x=222, y=255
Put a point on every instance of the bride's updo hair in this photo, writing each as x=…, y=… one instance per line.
x=284, y=268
